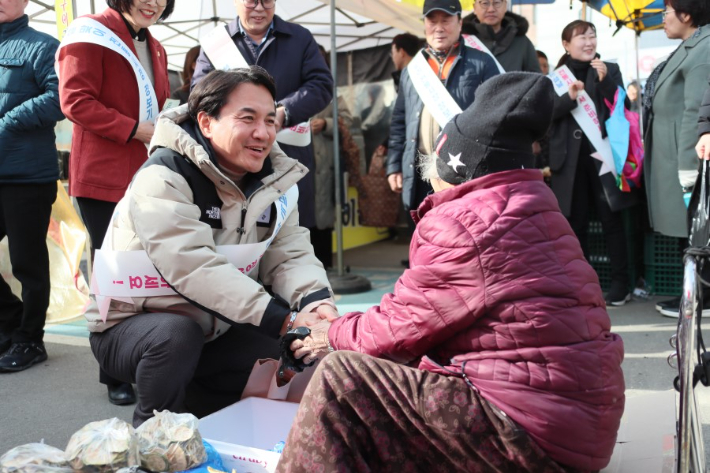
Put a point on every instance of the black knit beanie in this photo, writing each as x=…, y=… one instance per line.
x=497, y=131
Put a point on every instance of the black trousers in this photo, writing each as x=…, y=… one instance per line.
x=421, y=190
x=166, y=357
x=322, y=241
x=96, y=215
x=25, y=210
x=588, y=191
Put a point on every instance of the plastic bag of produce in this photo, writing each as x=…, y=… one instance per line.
x=104, y=446
x=212, y=465
x=34, y=458
x=170, y=442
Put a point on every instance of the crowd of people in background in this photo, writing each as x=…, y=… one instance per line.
x=212, y=172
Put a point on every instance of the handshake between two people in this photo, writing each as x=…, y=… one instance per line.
x=316, y=345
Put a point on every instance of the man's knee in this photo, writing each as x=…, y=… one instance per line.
x=177, y=336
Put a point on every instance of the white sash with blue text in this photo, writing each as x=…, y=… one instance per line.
x=225, y=55
x=86, y=30
x=430, y=89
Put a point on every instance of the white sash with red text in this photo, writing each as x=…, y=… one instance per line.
x=475, y=43
x=123, y=275
x=585, y=114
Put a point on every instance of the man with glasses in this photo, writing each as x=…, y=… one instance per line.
x=413, y=130
x=304, y=84
x=503, y=33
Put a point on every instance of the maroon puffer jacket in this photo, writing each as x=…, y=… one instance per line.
x=499, y=288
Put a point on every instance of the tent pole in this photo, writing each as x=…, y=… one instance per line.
x=584, y=11
x=336, y=146
x=638, y=81
x=340, y=283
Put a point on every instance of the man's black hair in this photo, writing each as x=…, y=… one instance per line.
x=212, y=92
x=410, y=43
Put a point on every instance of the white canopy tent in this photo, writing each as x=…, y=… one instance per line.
x=359, y=23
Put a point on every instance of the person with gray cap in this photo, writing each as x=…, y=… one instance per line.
x=494, y=352
x=413, y=129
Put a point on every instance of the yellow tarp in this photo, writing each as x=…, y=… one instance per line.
x=66, y=237
x=639, y=15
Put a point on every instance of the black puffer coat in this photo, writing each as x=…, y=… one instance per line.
x=510, y=46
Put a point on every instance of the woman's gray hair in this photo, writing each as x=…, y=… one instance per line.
x=427, y=167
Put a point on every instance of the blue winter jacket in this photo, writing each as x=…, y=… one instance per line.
x=29, y=104
x=304, y=86
x=470, y=69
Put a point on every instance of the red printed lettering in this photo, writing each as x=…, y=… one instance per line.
x=164, y=283
x=151, y=282
x=263, y=463
x=565, y=77
x=135, y=282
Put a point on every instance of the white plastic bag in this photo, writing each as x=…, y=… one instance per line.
x=103, y=446
x=170, y=442
x=34, y=458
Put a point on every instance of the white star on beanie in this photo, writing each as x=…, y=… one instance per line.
x=455, y=161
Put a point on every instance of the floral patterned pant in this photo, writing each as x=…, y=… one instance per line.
x=362, y=414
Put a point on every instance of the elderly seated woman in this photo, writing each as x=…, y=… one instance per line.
x=494, y=353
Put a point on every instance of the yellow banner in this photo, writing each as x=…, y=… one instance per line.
x=354, y=234
x=65, y=15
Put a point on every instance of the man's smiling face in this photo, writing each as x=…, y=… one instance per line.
x=244, y=131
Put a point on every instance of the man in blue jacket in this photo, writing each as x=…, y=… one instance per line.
x=304, y=84
x=461, y=69
x=29, y=110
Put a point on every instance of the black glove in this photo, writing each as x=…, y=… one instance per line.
x=288, y=361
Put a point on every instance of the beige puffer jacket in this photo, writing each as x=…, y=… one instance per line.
x=158, y=214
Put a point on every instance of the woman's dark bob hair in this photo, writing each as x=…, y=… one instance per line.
x=123, y=6
x=697, y=10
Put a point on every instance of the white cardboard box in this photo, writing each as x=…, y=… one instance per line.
x=646, y=439
x=245, y=433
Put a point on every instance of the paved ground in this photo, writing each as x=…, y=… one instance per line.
x=55, y=399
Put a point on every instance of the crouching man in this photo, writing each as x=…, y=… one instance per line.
x=213, y=213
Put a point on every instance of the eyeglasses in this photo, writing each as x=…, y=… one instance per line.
x=160, y=3
x=486, y=4
x=665, y=13
x=267, y=4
